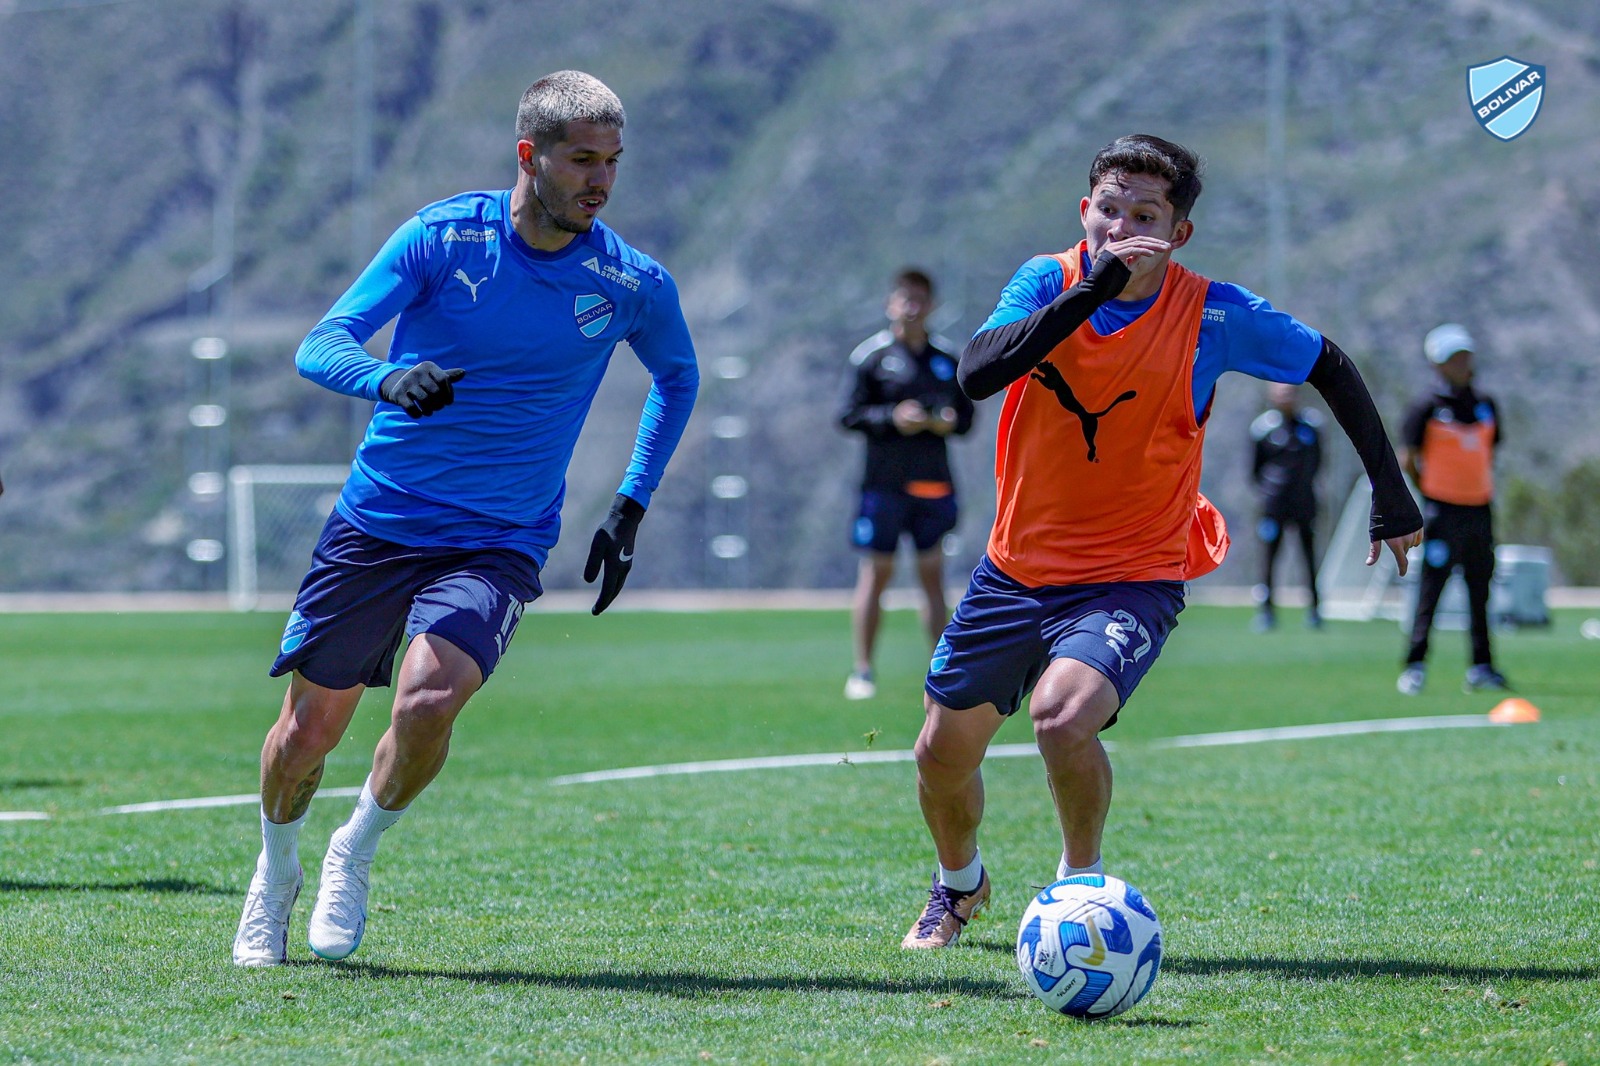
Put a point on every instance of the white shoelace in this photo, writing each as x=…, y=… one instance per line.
x=266, y=912
x=345, y=883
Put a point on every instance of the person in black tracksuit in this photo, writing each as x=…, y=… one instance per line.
x=1288, y=453
x=1449, y=441
x=900, y=393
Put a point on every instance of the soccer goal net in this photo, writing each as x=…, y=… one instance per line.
x=1348, y=587
x=1353, y=591
x=275, y=514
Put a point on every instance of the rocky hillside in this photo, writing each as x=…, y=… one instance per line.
x=783, y=160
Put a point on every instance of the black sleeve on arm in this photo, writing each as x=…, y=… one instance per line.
x=996, y=357
x=1394, y=511
x=964, y=412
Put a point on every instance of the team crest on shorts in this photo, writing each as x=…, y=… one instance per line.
x=1505, y=95
x=294, y=634
x=593, y=313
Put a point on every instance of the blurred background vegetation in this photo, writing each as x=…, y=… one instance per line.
x=783, y=160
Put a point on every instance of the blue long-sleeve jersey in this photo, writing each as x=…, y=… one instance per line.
x=534, y=331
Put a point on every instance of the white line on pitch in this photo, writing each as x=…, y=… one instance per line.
x=1012, y=751
x=768, y=762
x=773, y=762
x=1331, y=729
x=173, y=805
x=212, y=801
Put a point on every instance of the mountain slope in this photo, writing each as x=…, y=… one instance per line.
x=783, y=160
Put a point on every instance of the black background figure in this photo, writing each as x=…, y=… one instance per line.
x=900, y=393
x=1288, y=452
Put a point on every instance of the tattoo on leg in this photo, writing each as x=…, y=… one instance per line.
x=303, y=793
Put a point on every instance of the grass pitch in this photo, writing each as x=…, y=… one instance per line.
x=1425, y=896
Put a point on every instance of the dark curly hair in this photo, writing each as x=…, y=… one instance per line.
x=1141, y=153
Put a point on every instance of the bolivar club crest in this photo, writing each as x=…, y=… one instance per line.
x=1505, y=94
x=593, y=313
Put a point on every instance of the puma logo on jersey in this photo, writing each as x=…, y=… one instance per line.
x=1047, y=375
x=461, y=276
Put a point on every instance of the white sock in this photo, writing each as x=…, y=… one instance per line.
x=280, y=849
x=1065, y=869
x=359, y=836
x=966, y=879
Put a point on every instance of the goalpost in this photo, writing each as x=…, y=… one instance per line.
x=275, y=514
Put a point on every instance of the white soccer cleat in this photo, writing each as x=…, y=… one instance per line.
x=859, y=687
x=1411, y=679
x=340, y=916
x=263, y=936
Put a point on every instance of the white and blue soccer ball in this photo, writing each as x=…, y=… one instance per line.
x=1089, y=946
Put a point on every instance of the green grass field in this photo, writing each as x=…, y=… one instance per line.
x=1427, y=896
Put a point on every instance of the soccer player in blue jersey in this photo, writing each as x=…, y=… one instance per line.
x=509, y=304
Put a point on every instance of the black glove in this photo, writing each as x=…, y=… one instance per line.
x=422, y=390
x=613, y=547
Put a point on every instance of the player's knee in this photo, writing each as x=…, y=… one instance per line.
x=944, y=756
x=1069, y=721
x=312, y=731
x=427, y=712
x=944, y=766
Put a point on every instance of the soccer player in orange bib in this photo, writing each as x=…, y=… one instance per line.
x=1108, y=355
x=1448, y=441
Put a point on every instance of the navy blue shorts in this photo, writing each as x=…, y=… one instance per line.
x=887, y=514
x=1005, y=633
x=363, y=594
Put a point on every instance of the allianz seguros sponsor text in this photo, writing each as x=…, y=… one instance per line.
x=482, y=236
x=612, y=274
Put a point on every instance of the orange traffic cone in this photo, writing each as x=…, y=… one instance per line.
x=1514, y=710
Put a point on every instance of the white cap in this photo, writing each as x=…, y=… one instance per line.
x=1444, y=341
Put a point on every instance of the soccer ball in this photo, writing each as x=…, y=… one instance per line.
x=1089, y=946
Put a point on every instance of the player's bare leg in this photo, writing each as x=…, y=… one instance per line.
x=866, y=616
x=930, y=575
x=436, y=679
x=949, y=755
x=1070, y=704
x=309, y=726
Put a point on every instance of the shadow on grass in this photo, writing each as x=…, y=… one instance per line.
x=1343, y=969
x=690, y=985
x=156, y=885
x=683, y=985
x=17, y=784
x=1547, y=688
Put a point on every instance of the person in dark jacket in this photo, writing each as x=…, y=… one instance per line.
x=1288, y=453
x=901, y=394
